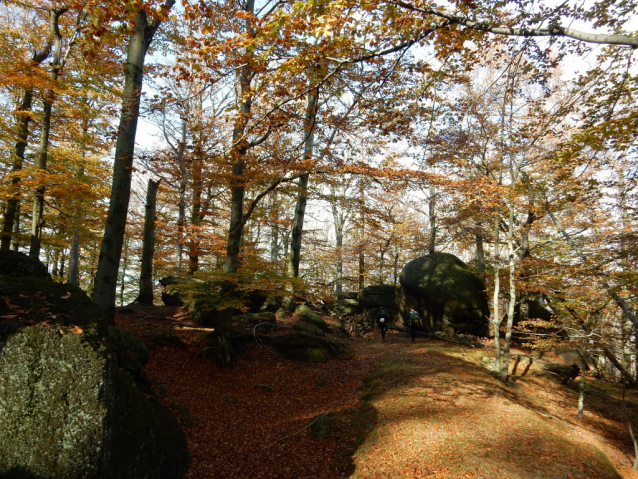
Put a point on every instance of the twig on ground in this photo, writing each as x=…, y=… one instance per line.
x=389, y=382
x=136, y=324
x=197, y=355
x=295, y=433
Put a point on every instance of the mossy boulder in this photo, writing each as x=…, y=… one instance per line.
x=446, y=293
x=28, y=301
x=175, y=288
x=130, y=351
x=308, y=328
x=264, y=321
x=303, y=346
x=307, y=315
x=68, y=409
x=19, y=265
x=378, y=295
x=347, y=304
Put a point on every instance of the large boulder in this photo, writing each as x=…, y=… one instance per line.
x=19, y=265
x=68, y=410
x=74, y=400
x=307, y=315
x=446, y=293
x=303, y=346
x=347, y=304
x=373, y=298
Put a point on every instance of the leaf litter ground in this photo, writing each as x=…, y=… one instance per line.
x=397, y=410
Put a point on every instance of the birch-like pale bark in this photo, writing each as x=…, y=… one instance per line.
x=496, y=310
x=111, y=248
x=512, y=293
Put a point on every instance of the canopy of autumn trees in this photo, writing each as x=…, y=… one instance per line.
x=315, y=147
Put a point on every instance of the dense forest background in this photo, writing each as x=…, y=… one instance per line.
x=315, y=147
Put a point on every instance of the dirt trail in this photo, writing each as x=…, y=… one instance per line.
x=432, y=411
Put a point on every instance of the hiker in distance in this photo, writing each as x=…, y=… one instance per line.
x=383, y=322
x=412, y=320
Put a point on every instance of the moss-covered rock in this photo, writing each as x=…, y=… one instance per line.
x=346, y=304
x=68, y=410
x=27, y=301
x=19, y=265
x=310, y=347
x=446, y=293
x=377, y=295
x=308, y=328
x=307, y=315
x=130, y=351
x=264, y=321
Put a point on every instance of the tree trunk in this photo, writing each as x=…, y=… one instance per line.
x=480, y=254
x=512, y=291
x=111, y=248
x=302, y=195
x=432, y=215
x=223, y=323
x=37, y=215
x=12, y=210
x=198, y=189
x=274, y=235
x=181, y=204
x=148, y=247
x=496, y=313
x=74, y=258
x=338, y=222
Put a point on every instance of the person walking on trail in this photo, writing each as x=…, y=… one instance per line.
x=383, y=322
x=412, y=320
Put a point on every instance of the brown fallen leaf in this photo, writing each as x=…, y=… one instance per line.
x=76, y=329
x=9, y=316
x=62, y=331
x=66, y=296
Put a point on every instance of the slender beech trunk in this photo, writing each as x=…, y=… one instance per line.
x=235, y=229
x=111, y=248
x=56, y=259
x=196, y=218
x=37, y=215
x=223, y=323
x=362, y=232
x=302, y=195
x=198, y=189
x=274, y=234
x=480, y=254
x=15, y=241
x=496, y=313
x=432, y=215
x=74, y=258
x=181, y=203
x=512, y=291
x=384, y=249
x=339, y=223
x=148, y=245
x=12, y=210
x=62, y=261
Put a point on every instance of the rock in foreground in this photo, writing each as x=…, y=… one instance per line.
x=67, y=410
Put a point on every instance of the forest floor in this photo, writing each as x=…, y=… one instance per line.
x=397, y=410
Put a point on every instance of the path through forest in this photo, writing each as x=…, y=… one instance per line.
x=397, y=410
